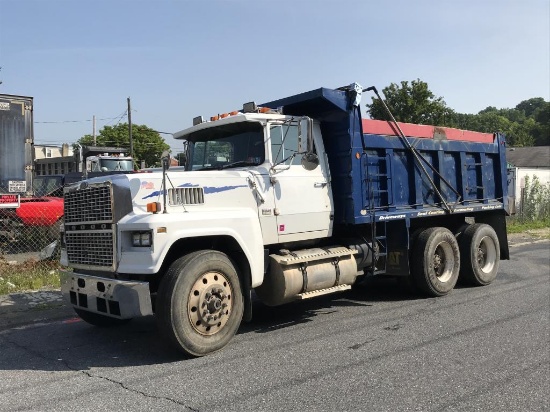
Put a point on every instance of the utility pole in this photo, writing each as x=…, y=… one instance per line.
x=93, y=128
x=130, y=129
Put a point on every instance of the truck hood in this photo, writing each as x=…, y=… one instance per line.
x=197, y=189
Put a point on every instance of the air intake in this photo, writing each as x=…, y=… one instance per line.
x=186, y=196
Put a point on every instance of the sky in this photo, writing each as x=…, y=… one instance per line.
x=177, y=59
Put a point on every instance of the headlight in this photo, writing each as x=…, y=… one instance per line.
x=142, y=239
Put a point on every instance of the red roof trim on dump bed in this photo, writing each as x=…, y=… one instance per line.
x=382, y=127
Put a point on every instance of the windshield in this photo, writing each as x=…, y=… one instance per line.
x=114, y=165
x=230, y=145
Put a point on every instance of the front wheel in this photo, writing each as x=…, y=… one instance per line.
x=435, y=261
x=200, y=302
x=479, y=254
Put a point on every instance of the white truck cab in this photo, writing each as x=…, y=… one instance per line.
x=252, y=181
x=292, y=202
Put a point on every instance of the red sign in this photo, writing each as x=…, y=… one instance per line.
x=9, y=201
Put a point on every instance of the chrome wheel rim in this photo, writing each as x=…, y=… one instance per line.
x=486, y=254
x=210, y=303
x=443, y=262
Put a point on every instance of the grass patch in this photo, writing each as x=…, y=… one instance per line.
x=519, y=226
x=30, y=275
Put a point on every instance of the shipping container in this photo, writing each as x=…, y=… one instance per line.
x=16, y=144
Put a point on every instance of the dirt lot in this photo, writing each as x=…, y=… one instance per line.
x=529, y=236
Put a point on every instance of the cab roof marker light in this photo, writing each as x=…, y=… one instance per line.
x=198, y=120
x=223, y=116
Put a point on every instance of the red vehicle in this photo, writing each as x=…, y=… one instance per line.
x=42, y=211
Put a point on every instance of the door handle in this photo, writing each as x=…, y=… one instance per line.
x=320, y=184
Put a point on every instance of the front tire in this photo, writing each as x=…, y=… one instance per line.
x=479, y=255
x=435, y=261
x=200, y=303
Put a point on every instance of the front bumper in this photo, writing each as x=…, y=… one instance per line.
x=121, y=299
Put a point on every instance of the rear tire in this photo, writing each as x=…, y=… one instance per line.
x=479, y=255
x=200, y=303
x=435, y=261
x=98, y=320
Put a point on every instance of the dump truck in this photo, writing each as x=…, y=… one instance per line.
x=284, y=201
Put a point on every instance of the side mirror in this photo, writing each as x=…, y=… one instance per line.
x=306, y=124
x=310, y=161
x=182, y=159
x=165, y=159
x=310, y=144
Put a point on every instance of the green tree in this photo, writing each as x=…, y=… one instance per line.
x=148, y=144
x=531, y=105
x=413, y=103
x=542, y=131
x=520, y=124
x=527, y=124
x=491, y=120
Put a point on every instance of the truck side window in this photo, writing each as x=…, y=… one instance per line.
x=284, y=144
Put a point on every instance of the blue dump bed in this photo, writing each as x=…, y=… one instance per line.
x=375, y=176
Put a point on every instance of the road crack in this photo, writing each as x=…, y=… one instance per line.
x=91, y=375
x=127, y=388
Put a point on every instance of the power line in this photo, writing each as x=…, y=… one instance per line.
x=118, y=117
x=76, y=121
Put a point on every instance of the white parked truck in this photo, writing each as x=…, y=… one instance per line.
x=296, y=198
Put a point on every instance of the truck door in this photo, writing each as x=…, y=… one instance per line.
x=303, y=199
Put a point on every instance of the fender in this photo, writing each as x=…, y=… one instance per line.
x=241, y=224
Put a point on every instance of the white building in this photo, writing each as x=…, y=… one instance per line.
x=53, y=160
x=523, y=162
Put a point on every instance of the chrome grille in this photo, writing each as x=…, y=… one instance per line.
x=89, y=226
x=186, y=196
x=90, y=248
x=90, y=204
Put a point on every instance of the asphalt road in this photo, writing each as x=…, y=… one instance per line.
x=373, y=349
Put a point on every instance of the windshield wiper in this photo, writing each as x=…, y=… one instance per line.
x=208, y=168
x=228, y=165
x=237, y=164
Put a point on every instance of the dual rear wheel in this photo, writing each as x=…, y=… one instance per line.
x=437, y=258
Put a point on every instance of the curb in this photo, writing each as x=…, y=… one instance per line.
x=527, y=242
x=22, y=301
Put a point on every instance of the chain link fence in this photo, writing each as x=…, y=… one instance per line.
x=29, y=241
